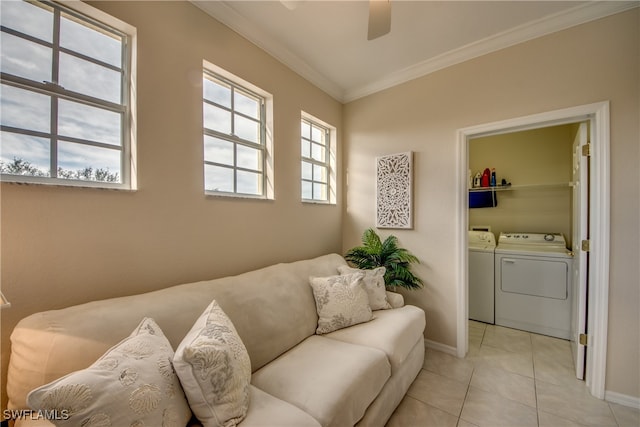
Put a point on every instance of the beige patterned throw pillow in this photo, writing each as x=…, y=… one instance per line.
x=131, y=385
x=373, y=281
x=214, y=368
x=341, y=301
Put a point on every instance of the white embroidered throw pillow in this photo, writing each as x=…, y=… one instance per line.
x=214, y=368
x=373, y=281
x=341, y=301
x=132, y=384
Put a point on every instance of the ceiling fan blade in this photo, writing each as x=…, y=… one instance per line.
x=379, y=18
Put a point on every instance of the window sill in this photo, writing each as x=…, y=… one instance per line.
x=60, y=183
x=318, y=202
x=233, y=196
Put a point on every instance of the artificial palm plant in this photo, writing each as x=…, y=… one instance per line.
x=377, y=253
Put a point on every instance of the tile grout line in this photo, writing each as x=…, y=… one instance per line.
x=473, y=370
x=613, y=413
x=466, y=393
x=535, y=384
x=531, y=352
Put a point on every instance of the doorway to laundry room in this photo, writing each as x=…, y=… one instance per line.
x=521, y=193
x=537, y=205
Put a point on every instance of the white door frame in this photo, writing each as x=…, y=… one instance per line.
x=598, y=116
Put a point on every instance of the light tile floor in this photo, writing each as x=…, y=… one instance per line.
x=509, y=378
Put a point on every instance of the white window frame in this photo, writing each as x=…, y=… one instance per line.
x=329, y=163
x=265, y=145
x=126, y=108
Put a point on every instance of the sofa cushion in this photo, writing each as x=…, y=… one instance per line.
x=133, y=382
x=394, y=331
x=379, y=412
x=267, y=410
x=373, y=282
x=214, y=369
x=333, y=381
x=341, y=301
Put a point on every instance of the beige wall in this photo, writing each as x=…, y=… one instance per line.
x=534, y=161
x=63, y=246
x=593, y=62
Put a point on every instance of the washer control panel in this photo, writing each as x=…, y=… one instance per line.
x=546, y=239
x=481, y=237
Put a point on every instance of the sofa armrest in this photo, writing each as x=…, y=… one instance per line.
x=395, y=299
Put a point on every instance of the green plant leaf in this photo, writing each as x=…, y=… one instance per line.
x=377, y=253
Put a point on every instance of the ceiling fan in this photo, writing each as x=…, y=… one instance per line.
x=379, y=16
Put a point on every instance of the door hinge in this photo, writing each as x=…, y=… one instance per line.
x=586, y=149
x=585, y=245
x=583, y=339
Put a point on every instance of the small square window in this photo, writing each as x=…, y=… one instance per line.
x=318, y=158
x=235, y=148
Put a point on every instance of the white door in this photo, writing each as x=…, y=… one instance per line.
x=581, y=258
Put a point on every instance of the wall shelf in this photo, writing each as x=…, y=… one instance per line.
x=510, y=187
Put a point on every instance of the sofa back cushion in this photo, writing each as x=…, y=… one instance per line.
x=272, y=309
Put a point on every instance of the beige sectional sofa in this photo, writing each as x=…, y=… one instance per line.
x=352, y=376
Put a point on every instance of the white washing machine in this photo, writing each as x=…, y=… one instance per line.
x=533, y=283
x=482, y=245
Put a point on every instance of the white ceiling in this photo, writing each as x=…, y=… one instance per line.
x=326, y=41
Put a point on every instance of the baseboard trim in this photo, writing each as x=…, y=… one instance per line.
x=440, y=347
x=622, y=399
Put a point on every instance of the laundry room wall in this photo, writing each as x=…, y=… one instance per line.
x=538, y=164
x=595, y=62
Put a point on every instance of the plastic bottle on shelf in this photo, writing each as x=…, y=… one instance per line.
x=493, y=177
x=486, y=177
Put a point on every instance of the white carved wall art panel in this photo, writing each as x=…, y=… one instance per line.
x=394, y=191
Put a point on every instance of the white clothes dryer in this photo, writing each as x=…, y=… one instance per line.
x=482, y=245
x=533, y=283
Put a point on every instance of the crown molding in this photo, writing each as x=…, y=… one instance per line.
x=529, y=31
x=577, y=15
x=241, y=25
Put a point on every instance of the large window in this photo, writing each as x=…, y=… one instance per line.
x=318, y=159
x=235, y=148
x=64, y=98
